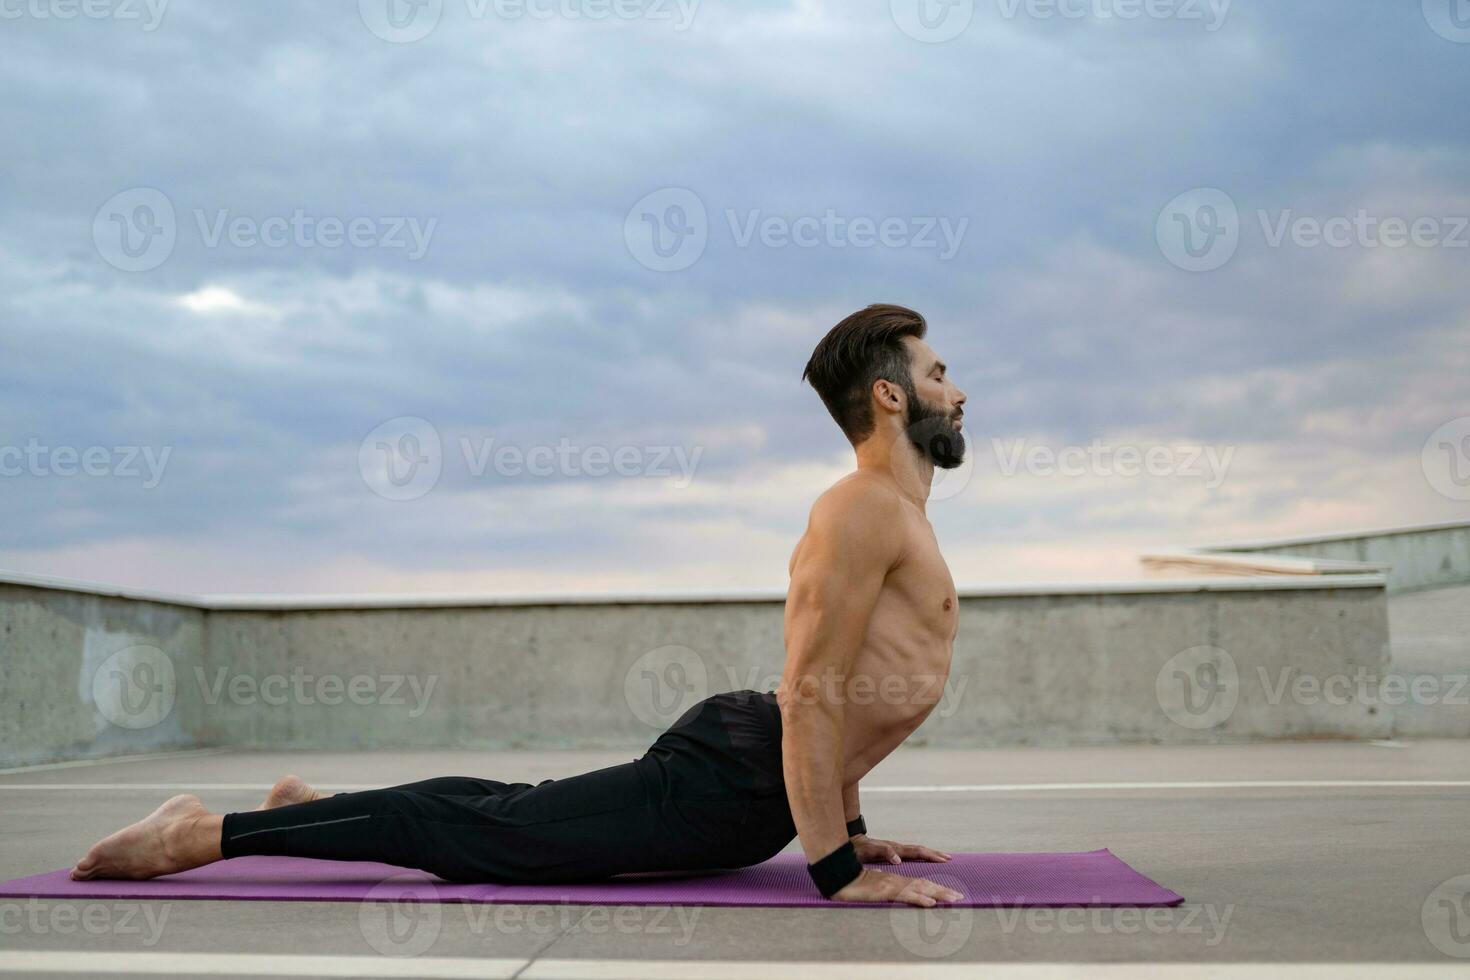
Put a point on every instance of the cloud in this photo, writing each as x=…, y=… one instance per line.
x=516, y=147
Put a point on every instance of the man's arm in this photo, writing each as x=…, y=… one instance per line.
x=852, y=542
x=852, y=807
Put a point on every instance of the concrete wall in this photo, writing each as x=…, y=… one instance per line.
x=1168, y=661
x=1164, y=666
x=1037, y=668
x=71, y=669
x=1423, y=557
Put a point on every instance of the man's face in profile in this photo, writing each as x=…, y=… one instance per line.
x=935, y=408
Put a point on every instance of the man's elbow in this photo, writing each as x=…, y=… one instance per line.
x=805, y=698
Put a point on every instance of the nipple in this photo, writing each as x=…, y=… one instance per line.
x=948, y=604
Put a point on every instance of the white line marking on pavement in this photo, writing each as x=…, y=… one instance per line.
x=183, y=787
x=799, y=970
x=954, y=788
x=1214, y=784
x=255, y=964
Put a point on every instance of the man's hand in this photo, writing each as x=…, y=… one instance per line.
x=871, y=850
x=880, y=886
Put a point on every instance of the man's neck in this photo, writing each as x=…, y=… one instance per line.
x=898, y=459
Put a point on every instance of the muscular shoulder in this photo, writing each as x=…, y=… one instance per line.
x=860, y=512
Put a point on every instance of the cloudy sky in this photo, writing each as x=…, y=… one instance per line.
x=514, y=295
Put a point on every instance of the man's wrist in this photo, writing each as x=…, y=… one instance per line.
x=836, y=871
x=856, y=826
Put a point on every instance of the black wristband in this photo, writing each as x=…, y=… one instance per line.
x=856, y=826
x=833, y=873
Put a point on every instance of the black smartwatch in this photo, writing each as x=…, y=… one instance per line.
x=856, y=826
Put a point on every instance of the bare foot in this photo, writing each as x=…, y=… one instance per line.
x=290, y=790
x=177, y=836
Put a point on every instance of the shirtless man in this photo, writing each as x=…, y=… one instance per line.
x=871, y=617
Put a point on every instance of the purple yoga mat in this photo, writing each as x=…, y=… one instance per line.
x=1086, y=878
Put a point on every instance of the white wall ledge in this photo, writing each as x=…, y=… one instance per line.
x=1333, y=536
x=284, y=602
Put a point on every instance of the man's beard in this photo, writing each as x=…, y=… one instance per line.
x=932, y=432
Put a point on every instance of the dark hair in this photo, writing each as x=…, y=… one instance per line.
x=864, y=347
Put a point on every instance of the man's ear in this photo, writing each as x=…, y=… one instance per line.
x=889, y=395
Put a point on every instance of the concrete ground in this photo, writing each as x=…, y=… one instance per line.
x=1300, y=853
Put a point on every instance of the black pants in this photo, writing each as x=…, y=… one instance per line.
x=708, y=793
